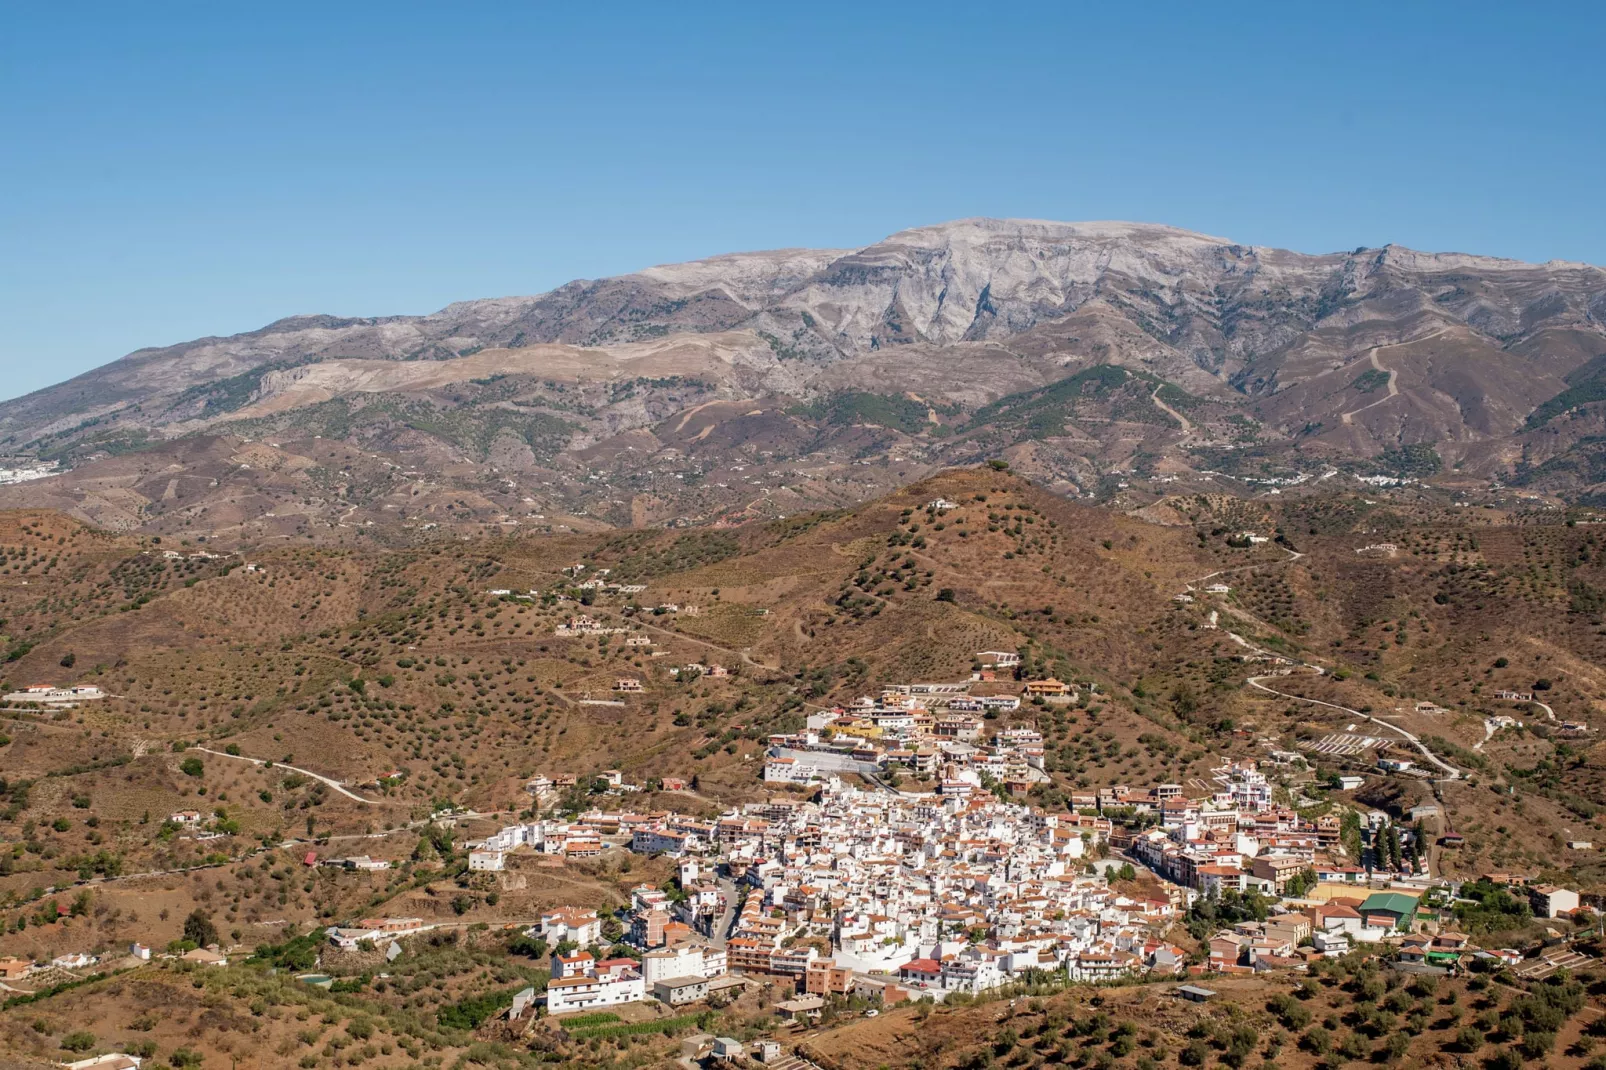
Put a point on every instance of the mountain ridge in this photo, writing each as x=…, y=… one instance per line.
x=1269, y=352
x=675, y=271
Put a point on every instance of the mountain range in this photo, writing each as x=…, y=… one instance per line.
x=1099, y=358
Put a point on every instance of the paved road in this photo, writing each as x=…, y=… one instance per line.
x=1293, y=555
x=722, y=924
x=337, y=785
x=1450, y=771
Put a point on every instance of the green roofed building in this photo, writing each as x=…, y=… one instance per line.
x=1389, y=910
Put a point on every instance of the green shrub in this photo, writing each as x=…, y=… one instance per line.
x=580, y=1021
x=666, y=1026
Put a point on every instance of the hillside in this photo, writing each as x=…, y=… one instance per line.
x=303, y=698
x=1346, y=1012
x=398, y=671
x=761, y=385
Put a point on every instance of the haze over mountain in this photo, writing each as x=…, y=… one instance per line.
x=1088, y=354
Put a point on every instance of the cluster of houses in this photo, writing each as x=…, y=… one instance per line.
x=196, y=825
x=865, y=891
x=670, y=962
x=932, y=894
x=583, y=836
x=579, y=624
x=571, y=839
x=893, y=896
x=597, y=583
x=710, y=669
x=1335, y=916
x=1239, y=839
x=374, y=930
x=933, y=730
x=28, y=975
x=198, y=555
x=516, y=596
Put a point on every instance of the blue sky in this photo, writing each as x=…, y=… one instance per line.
x=172, y=171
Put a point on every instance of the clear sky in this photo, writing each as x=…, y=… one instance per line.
x=172, y=171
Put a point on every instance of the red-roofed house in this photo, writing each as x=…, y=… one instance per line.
x=922, y=972
x=581, y=962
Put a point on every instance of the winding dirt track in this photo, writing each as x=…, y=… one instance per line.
x=1393, y=373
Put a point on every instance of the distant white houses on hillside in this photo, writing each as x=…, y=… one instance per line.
x=51, y=695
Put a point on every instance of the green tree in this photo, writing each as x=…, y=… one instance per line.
x=1349, y=833
x=1504, y=1059
x=1536, y=1045
x=1487, y=907
x=1300, y=883
x=1210, y=913
x=198, y=928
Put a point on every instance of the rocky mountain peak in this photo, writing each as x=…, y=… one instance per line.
x=1100, y=347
